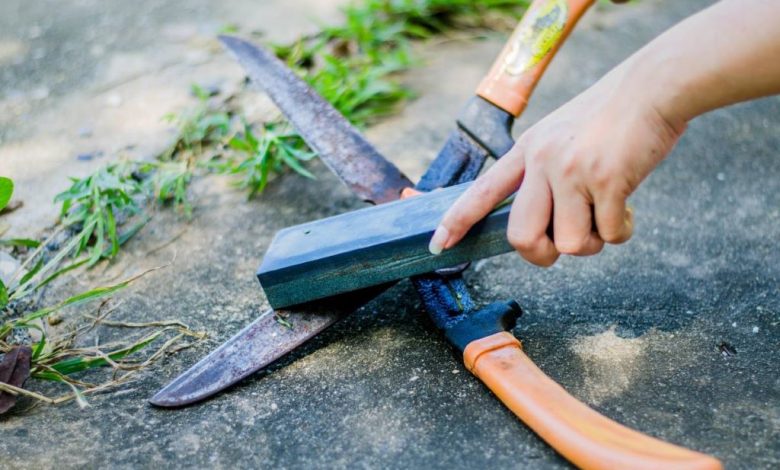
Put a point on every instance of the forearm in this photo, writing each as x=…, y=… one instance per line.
x=725, y=54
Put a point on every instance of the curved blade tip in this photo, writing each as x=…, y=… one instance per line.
x=164, y=399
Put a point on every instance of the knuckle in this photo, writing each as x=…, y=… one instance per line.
x=482, y=190
x=615, y=235
x=602, y=178
x=571, y=246
x=535, y=158
x=537, y=151
x=595, y=164
x=521, y=241
x=604, y=174
x=621, y=188
x=593, y=246
x=611, y=181
x=570, y=166
x=544, y=261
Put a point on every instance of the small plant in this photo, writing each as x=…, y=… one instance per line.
x=92, y=204
x=258, y=157
x=362, y=94
x=55, y=356
x=203, y=127
x=169, y=182
x=6, y=191
x=197, y=128
x=352, y=65
x=60, y=358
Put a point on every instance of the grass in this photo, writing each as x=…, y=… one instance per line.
x=92, y=205
x=360, y=90
x=61, y=359
x=355, y=66
x=56, y=356
x=256, y=157
x=198, y=128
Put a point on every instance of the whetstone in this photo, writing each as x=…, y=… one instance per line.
x=371, y=246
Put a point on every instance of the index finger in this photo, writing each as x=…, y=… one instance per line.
x=501, y=180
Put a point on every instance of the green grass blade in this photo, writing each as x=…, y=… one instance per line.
x=6, y=191
x=20, y=242
x=293, y=163
x=32, y=272
x=78, y=364
x=25, y=288
x=39, y=346
x=60, y=272
x=132, y=231
x=81, y=298
x=3, y=295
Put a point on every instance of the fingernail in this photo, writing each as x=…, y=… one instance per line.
x=438, y=240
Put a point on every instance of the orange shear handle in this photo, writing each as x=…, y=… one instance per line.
x=534, y=42
x=580, y=434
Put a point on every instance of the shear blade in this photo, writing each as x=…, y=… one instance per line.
x=338, y=143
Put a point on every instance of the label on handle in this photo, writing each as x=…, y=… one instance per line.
x=534, y=42
x=536, y=36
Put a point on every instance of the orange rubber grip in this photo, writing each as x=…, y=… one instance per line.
x=542, y=30
x=580, y=434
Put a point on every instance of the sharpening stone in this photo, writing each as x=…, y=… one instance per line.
x=371, y=246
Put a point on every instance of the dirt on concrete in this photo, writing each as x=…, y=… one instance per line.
x=634, y=332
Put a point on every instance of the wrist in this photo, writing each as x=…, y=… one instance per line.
x=659, y=83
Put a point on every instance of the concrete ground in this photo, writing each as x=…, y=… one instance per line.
x=634, y=332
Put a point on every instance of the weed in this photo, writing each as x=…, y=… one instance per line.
x=92, y=204
x=260, y=156
x=204, y=126
x=352, y=65
x=58, y=358
x=169, y=182
x=421, y=19
x=361, y=93
x=197, y=128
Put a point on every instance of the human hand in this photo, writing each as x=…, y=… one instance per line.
x=581, y=161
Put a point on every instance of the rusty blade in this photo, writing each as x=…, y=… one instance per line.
x=268, y=338
x=340, y=145
x=253, y=348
